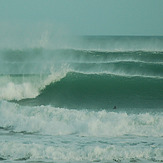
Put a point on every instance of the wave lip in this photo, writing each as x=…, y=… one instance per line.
x=23, y=86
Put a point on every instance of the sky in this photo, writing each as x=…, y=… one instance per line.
x=87, y=17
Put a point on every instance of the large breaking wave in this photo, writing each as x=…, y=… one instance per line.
x=77, y=90
x=74, y=78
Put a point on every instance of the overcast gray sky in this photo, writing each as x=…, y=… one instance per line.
x=88, y=17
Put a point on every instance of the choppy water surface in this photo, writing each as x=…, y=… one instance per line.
x=56, y=105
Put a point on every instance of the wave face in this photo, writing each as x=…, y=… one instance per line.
x=56, y=105
x=101, y=91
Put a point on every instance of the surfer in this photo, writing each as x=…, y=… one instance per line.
x=115, y=107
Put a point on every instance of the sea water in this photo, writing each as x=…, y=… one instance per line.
x=57, y=104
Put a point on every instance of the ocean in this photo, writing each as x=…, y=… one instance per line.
x=94, y=99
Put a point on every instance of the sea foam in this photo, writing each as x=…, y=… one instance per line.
x=59, y=121
x=46, y=133
x=21, y=152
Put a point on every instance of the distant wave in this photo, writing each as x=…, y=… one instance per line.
x=40, y=60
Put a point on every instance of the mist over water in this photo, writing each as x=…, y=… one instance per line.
x=20, y=35
x=57, y=94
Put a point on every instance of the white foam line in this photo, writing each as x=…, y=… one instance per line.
x=115, y=61
x=118, y=74
x=111, y=51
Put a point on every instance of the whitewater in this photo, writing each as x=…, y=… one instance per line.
x=57, y=103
